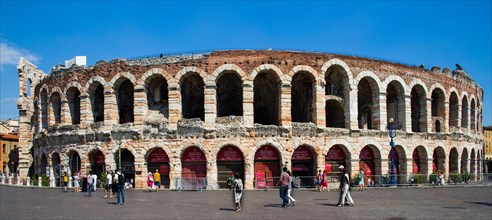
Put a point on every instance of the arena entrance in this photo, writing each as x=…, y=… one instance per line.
x=74, y=162
x=127, y=165
x=438, y=160
x=367, y=164
x=158, y=160
x=194, y=172
x=267, y=166
x=97, y=161
x=334, y=158
x=303, y=165
x=419, y=161
x=230, y=160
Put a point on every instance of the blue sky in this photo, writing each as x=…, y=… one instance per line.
x=436, y=33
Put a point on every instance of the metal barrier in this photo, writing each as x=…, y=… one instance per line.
x=191, y=183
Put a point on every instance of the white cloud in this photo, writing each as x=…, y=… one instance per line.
x=10, y=54
x=8, y=100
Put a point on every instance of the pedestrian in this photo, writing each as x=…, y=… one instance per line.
x=230, y=181
x=283, y=183
x=344, y=188
x=318, y=181
x=107, y=187
x=324, y=182
x=121, y=187
x=76, y=184
x=157, y=180
x=89, y=183
x=150, y=181
x=65, y=181
x=290, y=187
x=94, y=181
x=361, y=180
x=114, y=185
x=238, y=191
x=412, y=179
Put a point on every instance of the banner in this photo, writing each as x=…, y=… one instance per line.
x=260, y=180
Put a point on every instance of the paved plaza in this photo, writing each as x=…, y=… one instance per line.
x=413, y=203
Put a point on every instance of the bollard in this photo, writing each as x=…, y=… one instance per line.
x=19, y=181
x=10, y=180
x=40, y=182
x=28, y=182
x=69, y=182
x=53, y=182
x=3, y=178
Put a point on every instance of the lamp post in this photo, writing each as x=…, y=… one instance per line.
x=392, y=134
x=118, y=142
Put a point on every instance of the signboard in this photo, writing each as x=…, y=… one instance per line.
x=302, y=153
x=260, y=180
x=230, y=153
x=158, y=156
x=335, y=153
x=164, y=169
x=366, y=154
x=267, y=153
x=328, y=167
x=300, y=167
x=396, y=155
x=193, y=154
x=99, y=158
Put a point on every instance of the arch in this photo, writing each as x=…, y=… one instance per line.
x=453, y=110
x=190, y=69
x=44, y=109
x=437, y=86
x=337, y=154
x=157, y=91
x=267, y=68
x=303, y=161
x=472, y=115
x=304, y=68
x=438, y=98
x=120, y=78
x=97, y=160
x=395, y=100
x=152, y=73
x=266, y=96
x=230, y=160
x=124, y=90
x=224, y=68
x=75, y=161
x=439, y=159
x=303, y=96
x=464, y=161
x=419, y=82
x=337, y=62
x=370, y=161
x=453, y=160
x=89, y=85
x=405, y=89
x=419, y=160
x=229, y=93
x=96, y=94
x=267, y=159
x=158, y=161
x=400, y=163
x=418, y=104
x=192, y=95
x=464, y=111
x=368, y=103
x=127, y=163
x=193, y=163
x=56, y=107
x=370, y=75
x=73, y=97
x=334, y=114
x=473, y=161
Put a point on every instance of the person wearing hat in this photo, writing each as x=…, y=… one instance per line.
x=344, y=188
x=150, y=181
x=157, y=180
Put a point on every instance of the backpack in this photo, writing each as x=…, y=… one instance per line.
x=238, y=187
x=121, y=179
x=294, y=182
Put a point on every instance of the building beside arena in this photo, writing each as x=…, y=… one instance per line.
x=202, y=117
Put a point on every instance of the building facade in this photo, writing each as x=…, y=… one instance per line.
x=9, y=154
x=487, y=148
x=205, y=116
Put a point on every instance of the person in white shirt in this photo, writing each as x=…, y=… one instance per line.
x=94, y=181
x=107, y=188
x=89, y=183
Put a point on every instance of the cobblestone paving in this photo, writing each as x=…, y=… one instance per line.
x=413, y=203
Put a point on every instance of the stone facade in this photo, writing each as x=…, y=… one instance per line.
x=249, y=99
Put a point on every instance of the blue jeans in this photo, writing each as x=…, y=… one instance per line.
x=121, y=191
x=90, y=190
x=283, y=195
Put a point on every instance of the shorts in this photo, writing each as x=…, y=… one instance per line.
x=157, y=184
x=65, y=183
x=107, y=187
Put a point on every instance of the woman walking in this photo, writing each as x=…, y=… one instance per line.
x=289, y=190
x=76, y=184
x=344, y=188
x=150, y=181
x=238, y=191
x=324, y=182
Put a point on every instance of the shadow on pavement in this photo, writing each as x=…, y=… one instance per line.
x=227, y=209
x=481, y=203
x=274, y=205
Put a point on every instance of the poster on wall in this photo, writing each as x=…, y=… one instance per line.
x=260, y=180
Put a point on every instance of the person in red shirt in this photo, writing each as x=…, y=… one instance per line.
x=284, y=186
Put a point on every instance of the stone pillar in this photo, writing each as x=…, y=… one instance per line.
x=212, y=174
x=65, y=116
x=320, y=110
x=111, y=116
x=407, y=126
x=383, y=115
x=140, y=106
x=427, y=120
x=458, y=124
x=285, y=105
x=248, y=100
x=385, y=164
x=25, y=142
x=352, y=111
x=28, y=181
x=174, y=105
x=445, y=123
x=249, y=172
x=86, y=117
x=210, y=103
x=70, y=182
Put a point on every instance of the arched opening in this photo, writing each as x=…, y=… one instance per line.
x=267, y=98
x=303, y=163
x=158, y=95
x=472, y=115
x=73, y=97
x=453, y=161
x=44, y=164
x=464, y=112
x=127, y=165
x=55, y=162
x=473, y=161
x=158, y=160
x=28, y=87
x=438, y=160
x=336, y=156
x=464, y=161
x=44, y=109
x=267, y=166
x=56, y=107
x=35, y=117
x=419, y=161
x=303, y=100
x=74, y=162
x=96, y=92
x=370, y=163
x=400, y=162
x=395, y=103
x=418, y=106
x=367, y=102
x=97, y=161
x=192, y=96
x=437, y=105
x=230, y=160
x=335, y=115
x=453, y=110
x=229, y=95
x=194, y=168
x=124, y=98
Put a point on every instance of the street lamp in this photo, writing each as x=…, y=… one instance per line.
x=118, y=142
x=392, y=134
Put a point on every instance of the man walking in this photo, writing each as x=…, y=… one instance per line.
x=284, y=185
x=121, y=187
x=109, y=181
x=89, y=183
x=157, y=180
x=344, y=188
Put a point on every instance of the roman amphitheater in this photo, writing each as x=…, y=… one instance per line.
x=198, y=118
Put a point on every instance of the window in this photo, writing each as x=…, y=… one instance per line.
x=4, y=148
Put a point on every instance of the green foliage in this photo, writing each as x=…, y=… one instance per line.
x=34, y=180
x=455, y=177
x=433, y=177
x=419, y=178
x=466, y=177
x=102, y=180
x=44, y=180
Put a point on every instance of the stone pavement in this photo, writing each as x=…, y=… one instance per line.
x=411, y=203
